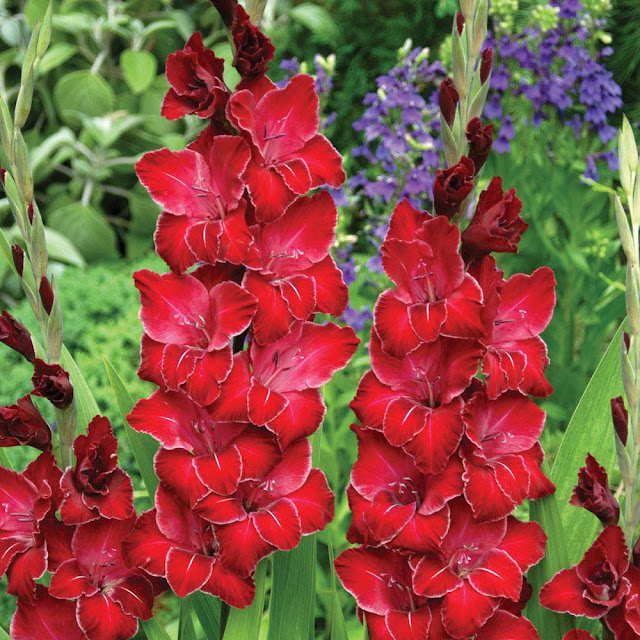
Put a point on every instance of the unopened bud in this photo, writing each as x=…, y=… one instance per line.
x=15, y=335
x=627, y=155
x=486, y=64
x=459, y=22
x=448, y=99
x=18, y=258
x=593, y=494
x=25, y=96
x=30, y=212
x=46, y=294
x=620, y=417
x=636, y=554
x=627, y=340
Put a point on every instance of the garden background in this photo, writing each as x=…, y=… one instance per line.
x=563, y=71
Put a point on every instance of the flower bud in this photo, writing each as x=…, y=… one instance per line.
x=459, y=22
x=226, y=9
x=253, y=49
x=627, y=340
x=620, y=417
x=480, y=141
x=593, y=494
x=46, y=294
x=15, y=335
x=448, y=98
x=22, y=424
x=486, y=64
x=30, y=212
x=52, y=382
x=18, y=258
x=452, y=186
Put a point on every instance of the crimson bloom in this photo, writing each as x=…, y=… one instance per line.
x=27, y=502
x=496, y=224
x=110, y=598
x=201, y=191
x=476, y=566
x=196, y=84
x=189, y=327
x=15, y=335
x=433, y=297
x=502, y=455
x=22, y=424
x=253, y=50
x=172, y=542
x=277, y=385
x=45, y=617
x=597, y=583
x=577, y=634
x=288, y=155
x=52, y=382
x=452, y=186
x=97, y=486
x=297, y=276
x=593, y=494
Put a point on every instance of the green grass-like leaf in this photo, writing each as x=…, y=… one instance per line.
x=244, y=624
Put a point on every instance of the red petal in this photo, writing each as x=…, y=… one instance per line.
x=134, y=594
x=235, y=239
x=273, y=318
x=146, y=547
x=464, y=611
x=259, y=451
x=300, y=294
x=563, y=593
x=295, y=174
x=534, y=381
x=323, y=161
x=464, y=311
x=372, y=399
x=332, y=294
x=233, y=309
x=213, y=367
x=118, y=502
x=411, y=624
x=279, y=524
x=241, y=548
x=176, y=521
x=228, y=158
x=151, y=353
x=231, y=405
x=170, y=240
x=575, y=634
x=314, y=502
x=202, y=237
x=24, y=570
x=434, y=579
x=103, y=619
x=269, y=193
x=391, y=317
x=386, y=516
x=174, y=467
x=524, y=542
x=233, y=589
x=300, y=418
x=46, y=618
x=73, y=510
x=405, y=221
x=442, y=487
x=424, y=534
x=187, y=571
x=427, y=319
x=505, y=626
x=497, y=576
x=220, y=509
x=403, y=420
x=220, y=471
x=484, y=494
x=264, y=403
x=177, y=364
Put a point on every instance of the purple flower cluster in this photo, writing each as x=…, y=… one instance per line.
x=557, y=73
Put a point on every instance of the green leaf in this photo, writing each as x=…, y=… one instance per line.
x=589, y=431
x=86, y=404
x=317, y=19
x=207, y=609
x=293, y=592
x=61, y=249
x=86, y=228
x=185, y=624
x=83, y=92
x=139, y=69
x=143, y=446
x=57, y=55
x=154, y=630
x=338, y=624
x=3, y=634
x=244, y=624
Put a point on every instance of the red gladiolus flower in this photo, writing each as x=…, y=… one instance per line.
x=596, y=584
x=45, y=617
x=434, y=296
x=276, y=510
x=380, y=581
x=415, y=400
x=201, y=191
x=500, y=454
x=277, y=385
x=393, y=502
x=15, y=335
x=52, y=382
x=496, y=224
x=200, y=456
x=97, y=487
x=195, y=77
x=624, y=620
x=27, y=502
x=480, y=142
x=452, y=186
x=577, y=634
x=297, y=277
x=22, y=424
x=189, y=328
x=173, y=542
x=593, y=494
x=516, y=356
x=620, y=418
x=288, y=155
x=477, y=565
x=253, y=50
x=448, y=98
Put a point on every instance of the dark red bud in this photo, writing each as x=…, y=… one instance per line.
x=480, y=142
x=46, y=294
x=15, y=335
x=486, y=64
x=459, y=22
x=627, y=340
x=448, y=98
x=18, y=258
x=593, y=494
x=620, y=417
x=452, y=186
x=226, y=9
x=52, y=382
x=30, y=212
x=636, y=554
x=253, y=50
